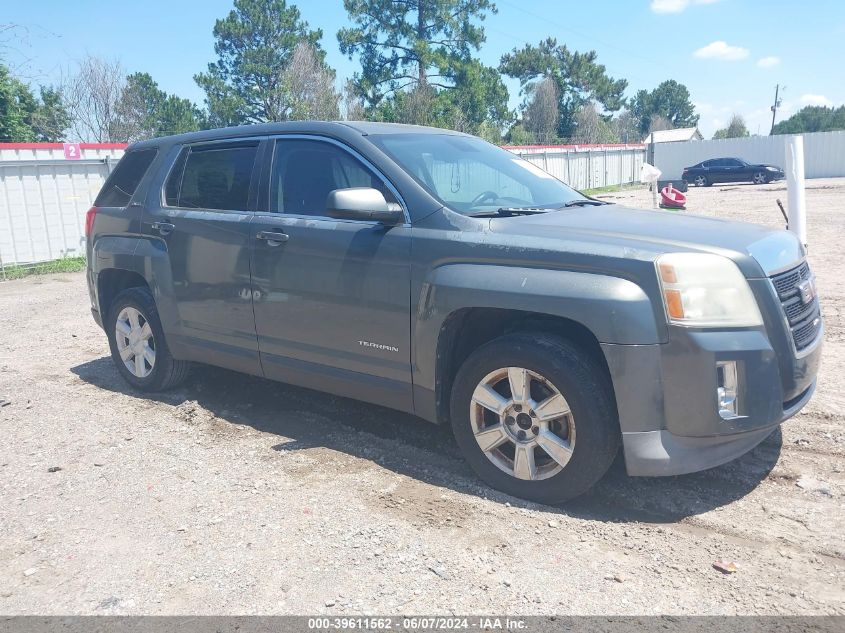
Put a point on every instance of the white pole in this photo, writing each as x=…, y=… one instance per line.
x=796, y=198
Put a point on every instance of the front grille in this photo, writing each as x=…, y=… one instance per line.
x=804, y=318
x=786, y=284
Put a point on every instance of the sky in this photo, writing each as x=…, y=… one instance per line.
x=729, y=53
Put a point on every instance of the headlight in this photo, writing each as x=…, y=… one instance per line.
x=772, y=168
x=705, y=290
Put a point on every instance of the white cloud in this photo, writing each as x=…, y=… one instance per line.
x=768, y=62
x=816, y=100
x=721, y=50
x=676, y=6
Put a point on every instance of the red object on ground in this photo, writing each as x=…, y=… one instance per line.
x=672, y=197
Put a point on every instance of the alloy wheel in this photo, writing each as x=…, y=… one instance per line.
x=759, y=178
x=522, y=423
x=135, y=342
x=700, y=181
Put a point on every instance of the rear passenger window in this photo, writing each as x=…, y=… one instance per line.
x=124, y=180
x=305, y=172
x=214, y=177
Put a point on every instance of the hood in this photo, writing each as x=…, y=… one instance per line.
x=644, y=234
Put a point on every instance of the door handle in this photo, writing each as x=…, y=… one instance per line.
x=165, y=228
x=272, y=238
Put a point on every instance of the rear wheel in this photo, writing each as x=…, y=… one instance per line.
x=701, y=181
x=137, y=344
x=534, y=417
x=760, y=178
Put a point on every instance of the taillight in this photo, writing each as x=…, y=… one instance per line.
x=89, y=220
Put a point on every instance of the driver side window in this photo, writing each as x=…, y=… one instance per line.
x=305, y=172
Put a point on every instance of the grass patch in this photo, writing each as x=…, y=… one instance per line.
x=63, y=265
x=613, y=188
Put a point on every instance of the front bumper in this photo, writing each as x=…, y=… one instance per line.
x=667, y=403
x=661, y=453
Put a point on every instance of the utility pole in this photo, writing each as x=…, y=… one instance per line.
x=774, y=108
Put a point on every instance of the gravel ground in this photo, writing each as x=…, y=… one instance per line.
x=235, y=495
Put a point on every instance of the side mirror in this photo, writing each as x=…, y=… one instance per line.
x=362, y=203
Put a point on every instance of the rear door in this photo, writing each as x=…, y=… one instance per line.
x=735, y=170
x=718, y=170
x=202, y=219
x=331, y=297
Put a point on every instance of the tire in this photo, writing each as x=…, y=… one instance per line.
x=590, y=428
x=759, y=178
x=702, y=181
x=154, y=372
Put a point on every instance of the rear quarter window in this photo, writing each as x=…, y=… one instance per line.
x=124, y=180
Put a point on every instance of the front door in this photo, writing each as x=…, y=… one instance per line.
x=203, y=221
x=331, y=297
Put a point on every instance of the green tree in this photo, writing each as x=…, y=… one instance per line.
x=579, y=78
x=518, y=135
x=813, y=119
x=27, y=118
x=736, y=128
x=670, y=100
x=254, y=44
x=592, y=127
x=146, y=111
x=51, y=119
x=478, y=103
x=310, y=86
x=540, y=116
x=626, y=127
x=409, y=43
x=17, y=104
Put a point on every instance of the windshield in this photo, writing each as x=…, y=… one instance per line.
x=469, y=175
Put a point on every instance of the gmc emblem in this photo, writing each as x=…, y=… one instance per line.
x=808, y=290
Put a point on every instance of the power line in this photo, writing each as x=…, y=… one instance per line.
x=589, y=37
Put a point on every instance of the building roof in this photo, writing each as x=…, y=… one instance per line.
x=671, y=136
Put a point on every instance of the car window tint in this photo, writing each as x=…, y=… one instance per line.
x=217, y=177
x=733, y=162
x=174, y=180
x=124, y=180
x=305, y=172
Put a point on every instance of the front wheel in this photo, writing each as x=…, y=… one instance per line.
x=534, y=416
x=760, y=178
x=137, y=344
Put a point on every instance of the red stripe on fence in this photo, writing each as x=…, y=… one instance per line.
x=61, y=145
x=577, y=146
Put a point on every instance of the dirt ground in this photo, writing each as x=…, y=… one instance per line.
x=235, y=495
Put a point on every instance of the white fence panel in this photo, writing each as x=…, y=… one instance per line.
x=588, y=167
x=43, y=200
x=824, y=153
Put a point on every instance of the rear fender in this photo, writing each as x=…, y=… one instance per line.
x=148, y=258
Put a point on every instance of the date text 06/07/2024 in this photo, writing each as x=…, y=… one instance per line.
x=416, y=623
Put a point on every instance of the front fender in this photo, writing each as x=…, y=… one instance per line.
x=615, y=310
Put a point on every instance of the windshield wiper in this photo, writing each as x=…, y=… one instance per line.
x=581, y=202
x=509, y=211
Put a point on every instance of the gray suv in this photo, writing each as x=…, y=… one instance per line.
x=433, y=273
